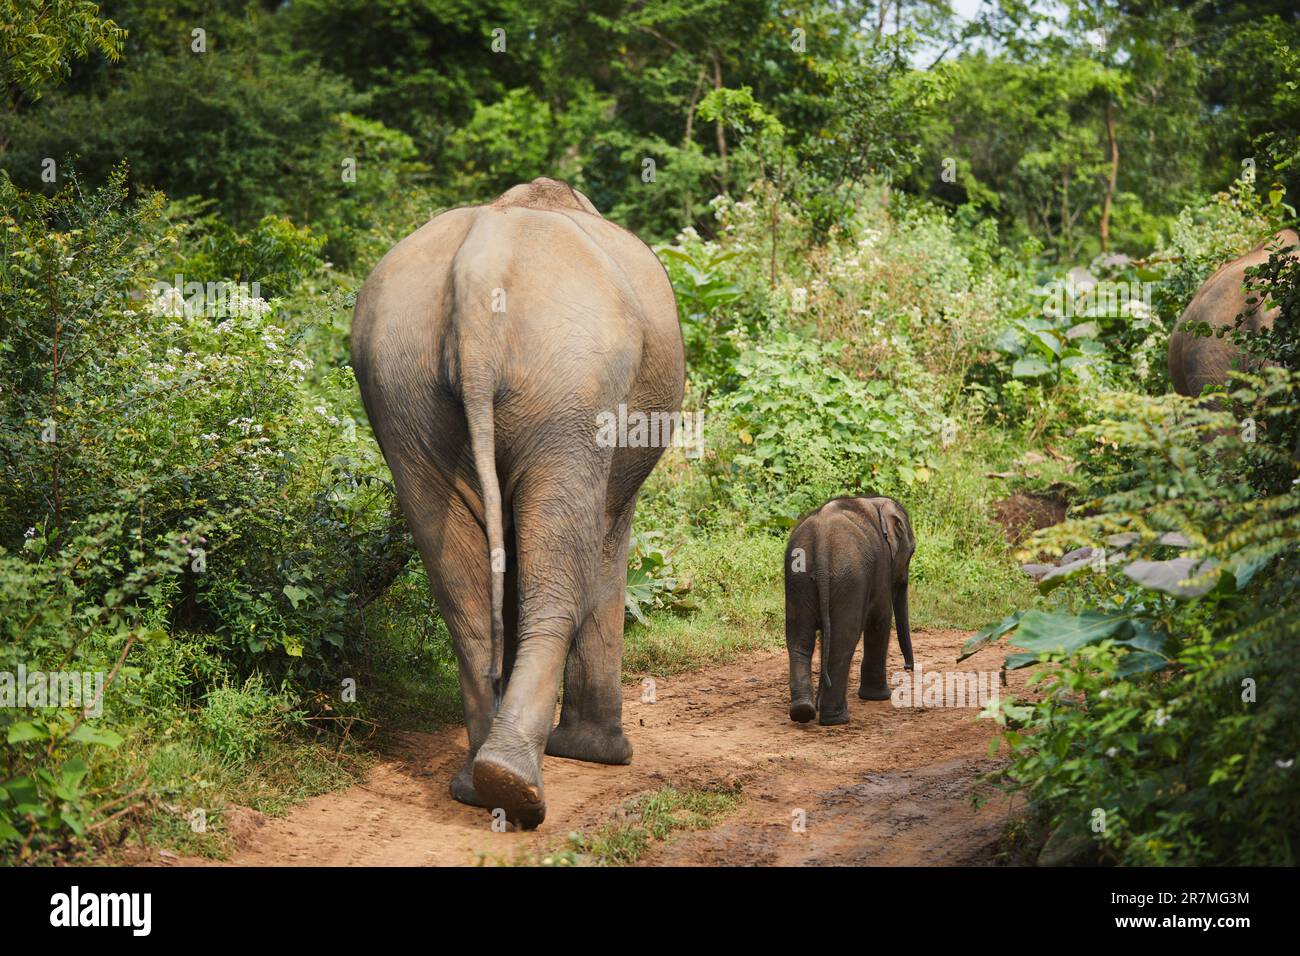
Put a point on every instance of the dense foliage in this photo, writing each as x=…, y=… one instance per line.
x=914, y=253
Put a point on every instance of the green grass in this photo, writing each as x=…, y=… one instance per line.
x=651, y=818
x=241, y=744
x=964, y=574
x=186, y=774
x=739, y=601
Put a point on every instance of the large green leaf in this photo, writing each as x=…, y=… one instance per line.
x=1060, y=633
x=989, y=635
x=1030, y=367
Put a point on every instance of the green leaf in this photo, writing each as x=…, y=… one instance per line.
x=24, y=730
x=295, y=594
x=88, y=734
x=989, y=634
x=1029, y=367
x=1140, y=662
x=1046, y=632
x=1168, y=576
x=1058, y=576
x=1013, y=662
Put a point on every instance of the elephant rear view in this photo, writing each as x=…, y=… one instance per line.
x=846, y=571
x=486, y=345
x=1196, y=361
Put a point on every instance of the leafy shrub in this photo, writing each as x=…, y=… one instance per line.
x=651, y=584
x=239, y=721
x=799, y=430
x=165, y=464
x=1168, y=728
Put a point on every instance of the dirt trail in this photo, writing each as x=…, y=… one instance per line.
x=891, y=787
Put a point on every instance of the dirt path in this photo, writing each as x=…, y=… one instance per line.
x=891, y=787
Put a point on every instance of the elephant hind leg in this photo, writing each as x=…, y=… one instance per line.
x=454, y=552
x=559, y=529
x=838, y=647
x=875, y=651
x=800, y=639
x=591, y=718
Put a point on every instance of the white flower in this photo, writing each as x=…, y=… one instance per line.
x=1112, y=751
x=29, y=533
x=1161, y=717
x=170, y=303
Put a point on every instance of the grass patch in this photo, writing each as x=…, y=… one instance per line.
x=651, y=818
x=738, y=593
x=964, y=573
x=187, y=775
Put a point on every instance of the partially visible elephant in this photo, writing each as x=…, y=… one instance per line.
x=846, y=568
x=488, y=345
x=1198, y=361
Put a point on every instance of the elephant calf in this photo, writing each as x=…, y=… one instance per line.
x=1196, y=361
x=845, y=572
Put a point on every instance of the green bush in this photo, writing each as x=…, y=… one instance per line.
x=798, y=430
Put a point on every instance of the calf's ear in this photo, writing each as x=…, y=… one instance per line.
x=896, y=527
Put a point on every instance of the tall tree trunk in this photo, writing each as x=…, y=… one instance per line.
x=688, y=201
x=1110, y=182
x=720, y=129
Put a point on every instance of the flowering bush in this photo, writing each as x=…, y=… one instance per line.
x=168, y=463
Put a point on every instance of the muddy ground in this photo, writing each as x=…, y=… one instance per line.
x=892, y=787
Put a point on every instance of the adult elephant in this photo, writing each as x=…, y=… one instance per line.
x=486, y=345
x=1197, y=361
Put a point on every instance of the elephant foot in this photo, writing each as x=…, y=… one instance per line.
x=802, y=711
x=592, y=744
x=500, y=785
x=831, y=720
x=462, y=786
x=874, y=693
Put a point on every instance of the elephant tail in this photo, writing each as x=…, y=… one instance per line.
x=823, y=572
x=482, y=440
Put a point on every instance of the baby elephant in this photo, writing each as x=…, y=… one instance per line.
x=845, y=571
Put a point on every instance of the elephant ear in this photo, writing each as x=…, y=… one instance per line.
x=896, y=528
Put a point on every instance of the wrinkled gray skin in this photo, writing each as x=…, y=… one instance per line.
x=488, y=421
x=1196, y=361
x=853, y=573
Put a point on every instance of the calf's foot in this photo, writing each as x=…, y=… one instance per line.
x=802, y=711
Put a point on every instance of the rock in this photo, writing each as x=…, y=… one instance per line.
x=1174, y=540
x=1122, y=540
x=1078, y=554
x=1036, y=571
